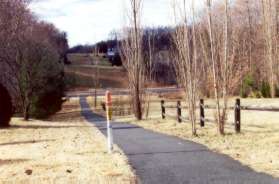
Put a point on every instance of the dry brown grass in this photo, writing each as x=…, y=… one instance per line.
x=65, y=149
x=87, y=59
x=110, y=77
x=256, y=147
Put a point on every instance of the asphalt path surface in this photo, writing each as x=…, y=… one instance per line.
x=162, y=159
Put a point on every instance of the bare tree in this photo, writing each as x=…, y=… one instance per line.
x=270, y=34
x=184, y=39
x=132, y=57
x=225, y=68
x=214, y=64
x=250, y=33
x=96, y=76
x=150, y=65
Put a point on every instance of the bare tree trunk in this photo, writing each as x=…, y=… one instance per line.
x=194, y=72
x=269, y=42
x=26, y=106
x=26, y=112
x=138, y=105
x=150, y=67
x=214, y=66
x=97, y=82
x=225, y=70
x=277, y=38
x=249, y=37
x=205, y=64
x=132, y=58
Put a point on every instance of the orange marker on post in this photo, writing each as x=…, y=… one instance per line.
x=109, y=117
x=109, y=105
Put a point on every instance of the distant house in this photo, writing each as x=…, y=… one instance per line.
x=114, y=56
x=111, y=52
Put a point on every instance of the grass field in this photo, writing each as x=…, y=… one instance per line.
x=82, y=73
x=84, y=76
x=256, y=147
x=65, y=149
x=87, y=59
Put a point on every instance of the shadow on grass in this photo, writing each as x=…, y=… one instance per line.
x=263, y=131
x=67, y=113
x=12, y=161
x=43, y=127
x=26, y=142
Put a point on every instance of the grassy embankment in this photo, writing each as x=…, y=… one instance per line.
x=65, y=149
x=83, y=71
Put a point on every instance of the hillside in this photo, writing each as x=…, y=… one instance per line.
x=82, y=72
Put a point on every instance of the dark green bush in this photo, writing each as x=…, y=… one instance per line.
x=6, y=107
x=265, y=89
x=277, y=91
x=49, y=100
x=42, y=81
x=248, y=85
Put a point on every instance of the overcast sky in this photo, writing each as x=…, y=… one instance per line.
x=89, y=21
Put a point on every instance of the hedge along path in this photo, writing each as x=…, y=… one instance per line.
x=6, y=107
x=65, y=149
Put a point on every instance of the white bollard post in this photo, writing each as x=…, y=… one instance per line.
x=109, y=117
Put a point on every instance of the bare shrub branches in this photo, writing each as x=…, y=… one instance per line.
x=185, y=53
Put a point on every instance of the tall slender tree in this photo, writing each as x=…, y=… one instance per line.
x=270, y=29
x=132, y=56
x=184, y=38
x=214, y=64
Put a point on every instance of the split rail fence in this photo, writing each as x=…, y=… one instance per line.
x=202, y=107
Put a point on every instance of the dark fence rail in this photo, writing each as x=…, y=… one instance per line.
x=237, y=111
x=237, y=108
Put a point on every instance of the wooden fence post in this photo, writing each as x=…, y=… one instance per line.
x=179, y=119
x=95, y=99
x=163, y=109
x=202, y=118
x=237, y=116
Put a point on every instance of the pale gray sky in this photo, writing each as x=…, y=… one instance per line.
x=89, y=21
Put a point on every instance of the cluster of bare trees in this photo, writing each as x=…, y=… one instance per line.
x=214, y=59
x=213, y=51
x=234, y=38
x=270, y=23
x=30, y=51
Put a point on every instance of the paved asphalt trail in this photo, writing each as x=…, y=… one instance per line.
x=162, y=159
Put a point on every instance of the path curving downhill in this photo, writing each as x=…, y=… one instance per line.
x=162, y=159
